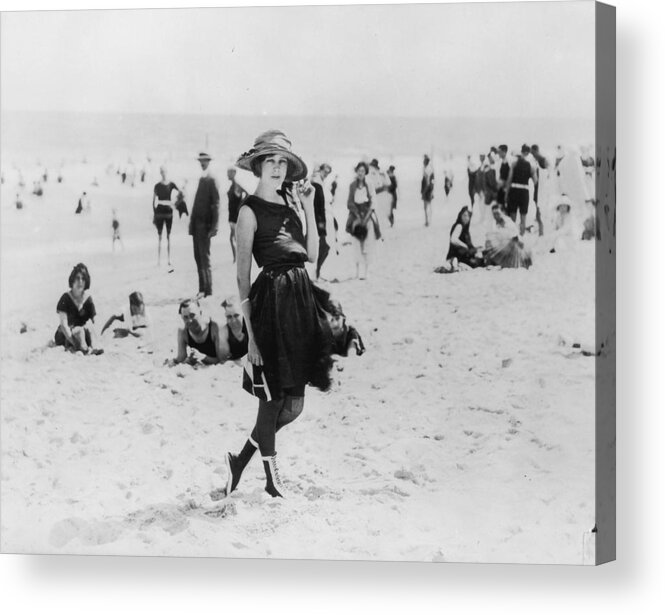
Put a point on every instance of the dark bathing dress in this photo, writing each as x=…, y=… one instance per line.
x=235, y=201
x=75, y=317
x=290, y=325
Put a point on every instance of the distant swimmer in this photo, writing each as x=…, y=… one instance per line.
x=115, y=225
x=427, y=188
x=447, y=181
x=504, y=172
x=19, y=202
x=83, y=204
x=236, y=195
x=517, y=188
x=162, y=213
x=392, y=189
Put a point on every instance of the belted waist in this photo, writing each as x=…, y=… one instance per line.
x=277, y=268
x=523, y=186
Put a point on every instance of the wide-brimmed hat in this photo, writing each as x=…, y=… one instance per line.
x=204, y=156
x=274, y=142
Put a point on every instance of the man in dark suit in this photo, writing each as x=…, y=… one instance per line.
x=203, y=223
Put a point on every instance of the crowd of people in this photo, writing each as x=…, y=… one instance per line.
x=510, y=186
x=285, y=327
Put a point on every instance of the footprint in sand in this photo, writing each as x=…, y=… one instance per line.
x=65, y=530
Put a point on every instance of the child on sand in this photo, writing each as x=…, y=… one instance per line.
x=135, y=320
x=76, y=310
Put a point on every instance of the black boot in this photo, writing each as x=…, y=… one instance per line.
x=274, y=485
x=236, y=464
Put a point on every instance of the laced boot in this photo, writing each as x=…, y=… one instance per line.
x=274, y=485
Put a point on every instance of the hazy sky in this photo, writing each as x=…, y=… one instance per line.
x=476, y=60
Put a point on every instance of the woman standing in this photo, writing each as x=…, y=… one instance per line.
x=361, y=213
x=162, y=210
x=289, y=338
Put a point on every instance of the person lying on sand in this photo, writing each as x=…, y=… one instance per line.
x=77, y=312
x=203, y=333
x=135, y=320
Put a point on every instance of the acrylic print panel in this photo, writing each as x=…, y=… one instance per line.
x=466, y=430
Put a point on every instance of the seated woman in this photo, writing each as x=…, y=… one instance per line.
x=461, y=248
x=76, y=310
x=504, y=248
x=135, y=320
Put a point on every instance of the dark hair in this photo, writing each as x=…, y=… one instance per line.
x=503, y=148
x=374, y=163
x=526, y=149
x=325, y=167
x=256, y=165
x=363, y=165
x=232, y=300
x=458, y=220
x=83, y=270
x=493, y=150
x=535, y=148
x=187, y=303
x=136, y=299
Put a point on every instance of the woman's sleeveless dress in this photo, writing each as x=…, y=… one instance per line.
x=290, y=326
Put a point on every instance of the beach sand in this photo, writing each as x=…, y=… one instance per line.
x=465, y=433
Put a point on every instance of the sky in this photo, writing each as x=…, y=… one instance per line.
x=454, y=60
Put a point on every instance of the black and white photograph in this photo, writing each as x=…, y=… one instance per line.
x=309, y=282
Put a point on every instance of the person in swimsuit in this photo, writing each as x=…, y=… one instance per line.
x=321, y=200
x=236, y=195
x=427, y=188
x=289, y=337
x=115, y=225
x=392, y=189
x=517, y=187
x=461, y=248
x=362, y=223
x=200, y=332
x=135, y=320
x=504, y=172
x=234, y=335
x=162, y=212
x=77, y=312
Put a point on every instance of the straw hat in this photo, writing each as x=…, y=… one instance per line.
x=204, y=156
x=274, y=142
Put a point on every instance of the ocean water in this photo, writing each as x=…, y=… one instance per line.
x=53, y=139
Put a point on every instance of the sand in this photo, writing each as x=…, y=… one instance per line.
x=465, y=433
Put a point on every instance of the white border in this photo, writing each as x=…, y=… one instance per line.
x=633, y=584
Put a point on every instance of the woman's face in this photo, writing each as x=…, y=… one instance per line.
x=78, y=285
x=274, y=169
x=466, y=218
x=360, y=172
